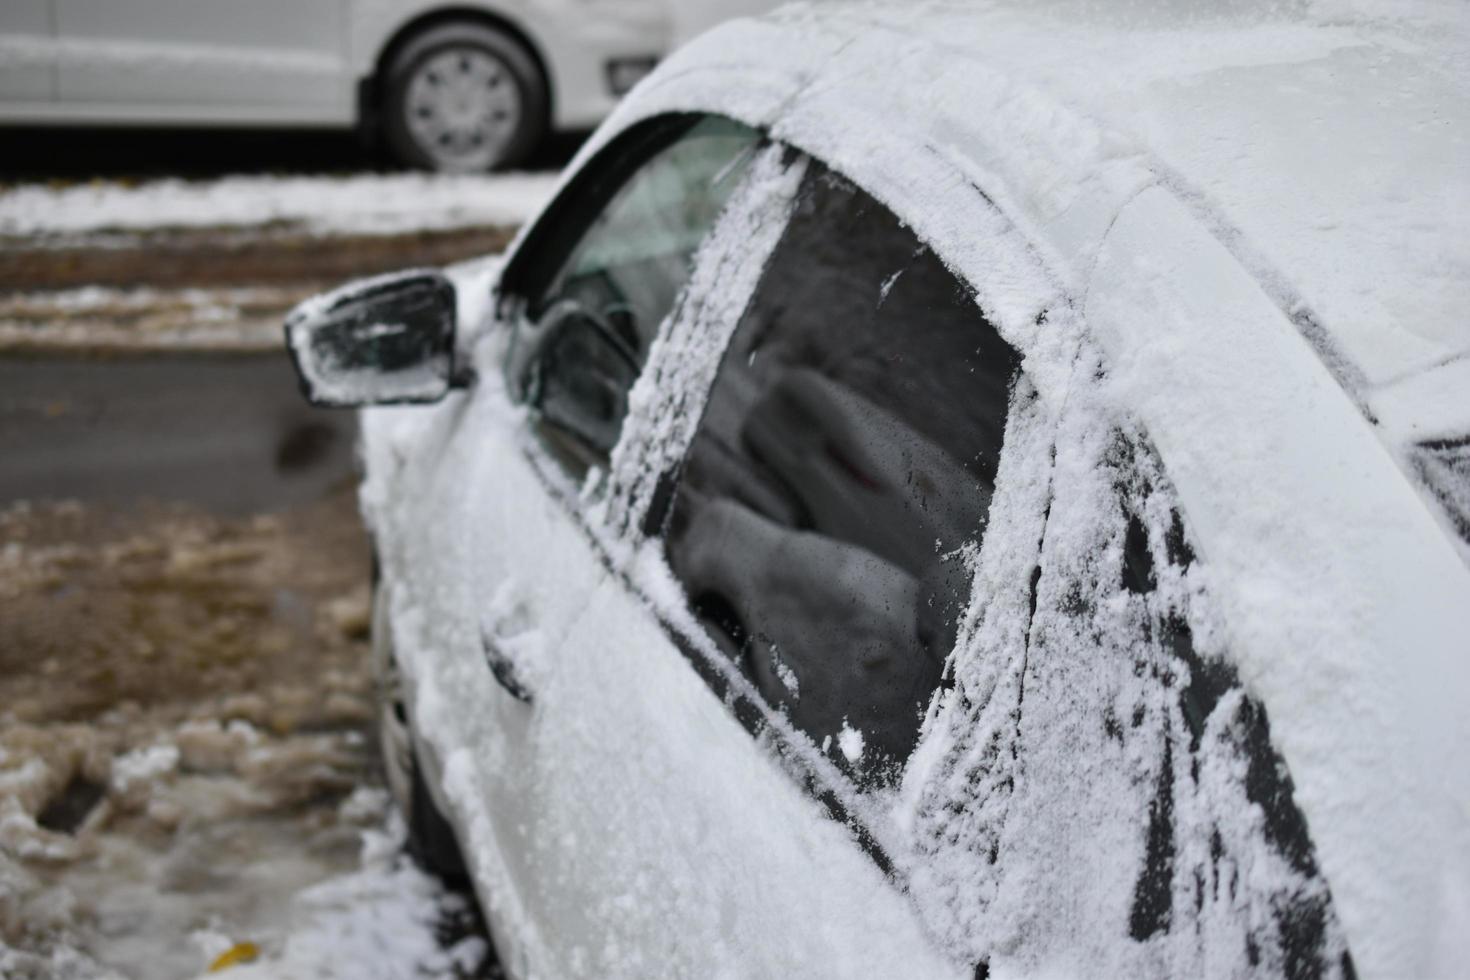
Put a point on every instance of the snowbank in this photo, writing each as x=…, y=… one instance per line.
x=360, y=204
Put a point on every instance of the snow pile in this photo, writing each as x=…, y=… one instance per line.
x=370, y=204
x=188, y=855
x=227, y=318
x=56, y=958
x=231, y=318
x=379, y=921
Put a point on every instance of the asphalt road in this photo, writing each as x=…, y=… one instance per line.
x=229, y=432
x=85, y=153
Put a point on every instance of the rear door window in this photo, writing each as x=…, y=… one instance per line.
x=841, y=474
x=1100, y=764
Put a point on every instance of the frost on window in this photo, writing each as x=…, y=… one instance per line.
x=1102, y=797
x=838, y=476
x=682, y=362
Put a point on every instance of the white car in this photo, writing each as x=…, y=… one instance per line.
x=464, y=85
x=984, y=492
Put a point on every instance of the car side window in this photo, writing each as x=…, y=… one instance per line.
x=1104, y=706
x=841, y=472
x=591, y=306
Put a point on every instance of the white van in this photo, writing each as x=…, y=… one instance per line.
x=463, y=86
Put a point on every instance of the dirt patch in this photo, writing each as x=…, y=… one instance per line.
x=204, y=258
x=188, y=771
x=165, y=607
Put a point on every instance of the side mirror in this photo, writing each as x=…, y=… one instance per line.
x=575, y=369
x=388, y=340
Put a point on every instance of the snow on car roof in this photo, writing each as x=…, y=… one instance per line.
x=1331, y=146
x=1326, y=145
x=1319, y=145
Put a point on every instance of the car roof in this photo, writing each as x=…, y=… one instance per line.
x=1326, y=144
x=1316, y=148
x=1332, y=150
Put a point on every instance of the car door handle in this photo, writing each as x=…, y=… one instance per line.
x=503, y=668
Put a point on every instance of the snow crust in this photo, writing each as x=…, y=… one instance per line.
x=362, y=204
x=850, y=744
x=1302, y=136
x=194, y=805
x=1108, y=824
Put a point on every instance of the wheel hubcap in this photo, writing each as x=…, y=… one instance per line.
x=463, y=108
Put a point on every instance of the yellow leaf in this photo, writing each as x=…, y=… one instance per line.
x=234, y=956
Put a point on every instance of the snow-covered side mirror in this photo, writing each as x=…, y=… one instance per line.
x=388, y=340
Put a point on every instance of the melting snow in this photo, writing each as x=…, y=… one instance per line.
x=376, y=922
x=363, y=204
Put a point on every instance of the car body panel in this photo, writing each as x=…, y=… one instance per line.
x=214, y=62
x=453, y=562
x=203, y=52
x=687, y=851
x=27, y=56
x=1345, y=599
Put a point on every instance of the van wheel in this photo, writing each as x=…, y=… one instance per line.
x=431, y=841
x=464, y=98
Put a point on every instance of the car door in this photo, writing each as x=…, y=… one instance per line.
x=479, y=504
x=792, y=509
x=167, y=57
x=27, y=51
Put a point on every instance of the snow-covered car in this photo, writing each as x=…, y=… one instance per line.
x=978, y=492
x=461, y=85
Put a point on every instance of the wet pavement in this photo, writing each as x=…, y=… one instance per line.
x=73, y=153
x=229, y=432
